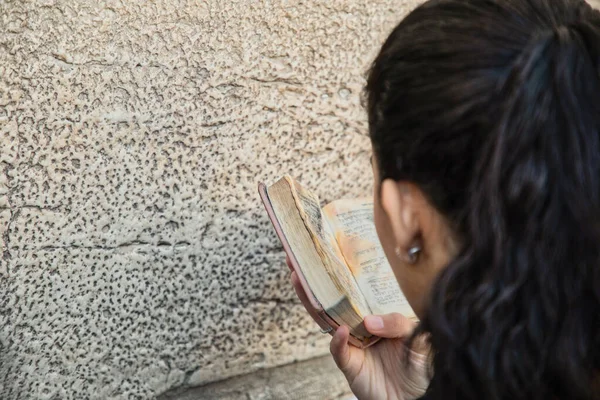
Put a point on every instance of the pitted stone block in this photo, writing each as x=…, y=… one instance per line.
x=136, y=257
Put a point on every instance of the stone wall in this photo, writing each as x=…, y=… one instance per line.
x=136, y=258
x=316, y=379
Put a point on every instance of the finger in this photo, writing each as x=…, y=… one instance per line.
x=340, y=349
x=288, y=262
x=305, y=302
x=391, y=326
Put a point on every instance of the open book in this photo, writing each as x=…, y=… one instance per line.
x=337, y=256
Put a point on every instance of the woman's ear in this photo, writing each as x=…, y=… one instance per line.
x=398, y=203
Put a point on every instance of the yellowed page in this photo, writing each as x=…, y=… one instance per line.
x=327, y=247
x=354, y=227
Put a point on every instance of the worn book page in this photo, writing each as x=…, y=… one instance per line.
x=354, y=228
x=327, y=247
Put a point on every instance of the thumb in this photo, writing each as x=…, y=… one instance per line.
x=390, y=326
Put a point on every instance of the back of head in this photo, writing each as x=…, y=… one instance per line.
x=492, y=107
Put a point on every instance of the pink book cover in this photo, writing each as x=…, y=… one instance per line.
x=325, y=321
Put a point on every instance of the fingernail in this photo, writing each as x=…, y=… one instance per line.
x=374, y=322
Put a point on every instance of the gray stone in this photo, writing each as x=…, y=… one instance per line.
x=136, y=257
x=313, y=379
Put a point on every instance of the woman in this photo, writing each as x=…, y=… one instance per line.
x=484, y=117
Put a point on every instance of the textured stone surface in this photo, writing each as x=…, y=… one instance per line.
x=136, y=257
x=313, y=379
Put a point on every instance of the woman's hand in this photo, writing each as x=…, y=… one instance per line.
x=379, y=371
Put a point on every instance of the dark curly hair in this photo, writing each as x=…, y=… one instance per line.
x=492, y=107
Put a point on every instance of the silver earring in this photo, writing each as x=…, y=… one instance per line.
x=411, y=256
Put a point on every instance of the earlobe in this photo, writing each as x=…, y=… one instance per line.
x=398, y=205
x=411, y=256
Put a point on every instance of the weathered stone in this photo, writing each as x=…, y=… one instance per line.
x=136, y=257
x=313, y=379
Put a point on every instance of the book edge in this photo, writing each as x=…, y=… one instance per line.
x=330, y=324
